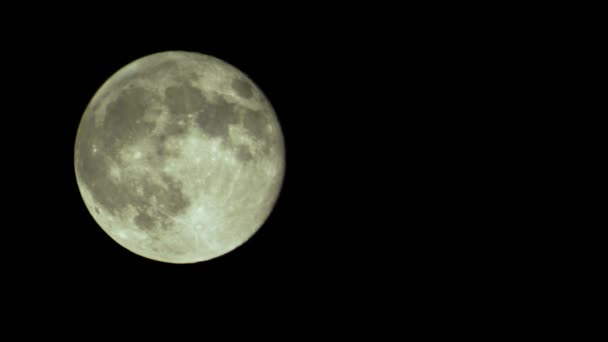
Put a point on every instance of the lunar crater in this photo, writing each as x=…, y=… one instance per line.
x=242, y=87
x=184, y=99
x=215, y=118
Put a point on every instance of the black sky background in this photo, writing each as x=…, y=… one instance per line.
x=390, y=175
x=321, y=75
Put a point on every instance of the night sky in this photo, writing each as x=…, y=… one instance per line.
x=378, y=131
x=318, y=77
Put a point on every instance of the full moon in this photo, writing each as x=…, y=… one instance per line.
x=179, y=157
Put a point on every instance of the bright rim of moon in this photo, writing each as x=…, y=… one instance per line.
x=179, y=157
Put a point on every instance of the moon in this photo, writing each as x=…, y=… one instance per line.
x=179, y=157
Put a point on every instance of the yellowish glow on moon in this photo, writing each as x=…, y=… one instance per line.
x=179, y=157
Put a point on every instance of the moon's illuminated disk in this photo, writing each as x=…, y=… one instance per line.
x=179, y=157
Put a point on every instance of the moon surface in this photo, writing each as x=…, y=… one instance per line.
x=179, y=157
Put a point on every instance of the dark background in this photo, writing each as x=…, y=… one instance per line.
x=331, y=83
x=397, y=127
x=414, y=193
